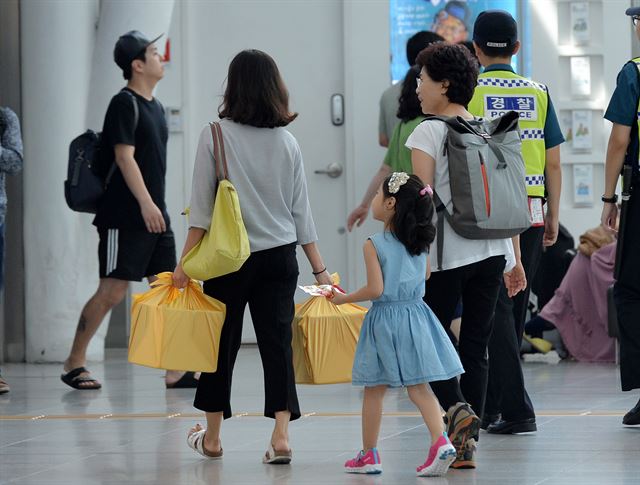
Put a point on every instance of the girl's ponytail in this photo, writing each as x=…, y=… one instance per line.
x=412, y=222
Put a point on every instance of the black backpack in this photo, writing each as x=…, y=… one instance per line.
x=87, y=173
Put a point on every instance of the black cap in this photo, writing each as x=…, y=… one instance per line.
x=495, y=28
x=129, y=46
x=633, y=11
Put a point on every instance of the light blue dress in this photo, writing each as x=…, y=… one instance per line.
x=402, y=343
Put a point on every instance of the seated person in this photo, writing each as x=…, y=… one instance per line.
x=554, y=263
x=579, y=307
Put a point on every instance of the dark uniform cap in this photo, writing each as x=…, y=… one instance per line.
x=633, y=11
x=495, y=28
x=128, y=47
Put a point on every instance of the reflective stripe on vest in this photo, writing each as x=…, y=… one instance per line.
x=502, y=82
x=500, y=91
x=534, y=180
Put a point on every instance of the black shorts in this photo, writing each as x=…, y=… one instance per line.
x=131, y=255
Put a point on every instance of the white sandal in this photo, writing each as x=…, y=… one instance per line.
x=273, y=457
x=196, y=442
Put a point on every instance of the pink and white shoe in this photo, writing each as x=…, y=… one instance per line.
x=441, y=456
x=368, y=463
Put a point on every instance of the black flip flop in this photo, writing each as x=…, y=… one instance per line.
x=187, y=381
x=73, y=379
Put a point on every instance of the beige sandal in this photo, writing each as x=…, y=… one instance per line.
x=274, y=457
x=196, y=442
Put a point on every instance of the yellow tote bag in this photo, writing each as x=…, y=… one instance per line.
x=324, y=341
x=176, y=329
x=225, y=246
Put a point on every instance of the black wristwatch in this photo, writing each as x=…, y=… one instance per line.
x=610, y=200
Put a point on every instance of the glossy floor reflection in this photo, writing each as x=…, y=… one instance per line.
x=133, y=432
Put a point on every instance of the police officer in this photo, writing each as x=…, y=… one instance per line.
x=623, y=151
x=500, y=89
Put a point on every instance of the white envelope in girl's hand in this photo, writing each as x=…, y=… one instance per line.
x=318, y=290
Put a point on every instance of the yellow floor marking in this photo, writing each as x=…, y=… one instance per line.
x=392, y=414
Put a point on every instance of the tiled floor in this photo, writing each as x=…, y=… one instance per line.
x=133, y=432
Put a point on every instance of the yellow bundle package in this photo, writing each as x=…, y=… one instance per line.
x=176, y=329
x=325, y=337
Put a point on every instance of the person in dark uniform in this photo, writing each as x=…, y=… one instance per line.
x=623, y=152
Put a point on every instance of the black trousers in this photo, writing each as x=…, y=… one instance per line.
x=506, y=393
x=266, y=282
x=626, y=294
x=478, y=285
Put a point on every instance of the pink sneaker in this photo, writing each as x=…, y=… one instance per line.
x=441, y=456
x=368, y=463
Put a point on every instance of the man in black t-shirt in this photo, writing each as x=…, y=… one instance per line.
x=136, y=240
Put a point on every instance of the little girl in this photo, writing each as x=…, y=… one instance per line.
x=401, y=341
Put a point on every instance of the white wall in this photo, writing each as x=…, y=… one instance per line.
x=610, y=47
x=171, y=93
x=367, y=57
x=354, y=64
x=58, y=47
x=365, y=30
x=57, y=40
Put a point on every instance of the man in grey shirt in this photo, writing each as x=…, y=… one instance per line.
x=389, y=100
x=10, y=163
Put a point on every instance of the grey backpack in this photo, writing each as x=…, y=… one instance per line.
x=487, y=179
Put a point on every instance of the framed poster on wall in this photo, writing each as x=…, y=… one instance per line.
x=581, y=77
x=583, y=185
x=580, y=28
x=582, y=130
x=452, y=19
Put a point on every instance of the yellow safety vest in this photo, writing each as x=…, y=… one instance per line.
x=500, y=91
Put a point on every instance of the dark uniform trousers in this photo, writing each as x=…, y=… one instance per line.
x=626, y=294
x=506, y=392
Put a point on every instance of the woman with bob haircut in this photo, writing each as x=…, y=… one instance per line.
x=472, y=270
x=265, y=166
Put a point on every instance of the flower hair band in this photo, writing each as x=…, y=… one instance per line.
x=397, y=180
x=427, y=190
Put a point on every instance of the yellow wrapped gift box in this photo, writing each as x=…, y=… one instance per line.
x=324, y=340
x=176, y=329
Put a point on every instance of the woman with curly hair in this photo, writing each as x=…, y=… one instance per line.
x=471, y=270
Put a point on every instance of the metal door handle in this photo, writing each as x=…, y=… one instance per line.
x=333, y=170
